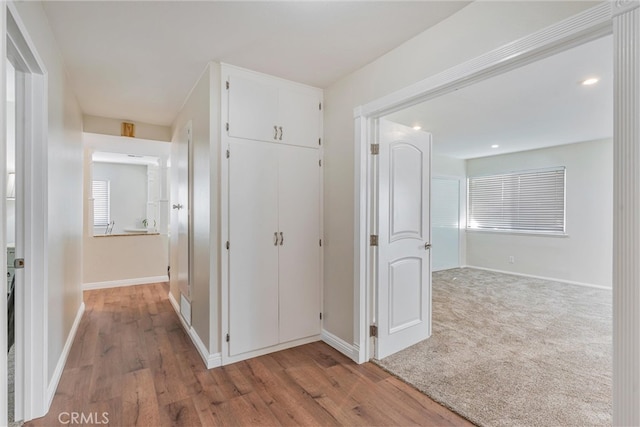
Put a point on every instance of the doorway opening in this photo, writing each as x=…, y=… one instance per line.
x=368, y=132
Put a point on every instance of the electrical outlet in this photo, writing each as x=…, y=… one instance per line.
x=512, y=259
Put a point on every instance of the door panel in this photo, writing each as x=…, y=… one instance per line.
x=404, y=264
x=445, y=197
x=406, y=192
x=405, y=293
x=299, y=116
x=253, y=256
x=253, y=108
x=299, y=219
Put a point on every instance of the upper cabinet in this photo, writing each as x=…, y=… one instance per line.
x=269, y=109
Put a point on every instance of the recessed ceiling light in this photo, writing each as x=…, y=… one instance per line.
x=417, y=127
x=590, y=81
x=495, y=146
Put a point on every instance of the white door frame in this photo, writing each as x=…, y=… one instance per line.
x=32, y=375
x=620, y=18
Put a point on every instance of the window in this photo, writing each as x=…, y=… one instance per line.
x=528, y=201
x=101, y=203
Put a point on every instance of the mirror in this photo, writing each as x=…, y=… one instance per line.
x=126, y=193
x=126, y=186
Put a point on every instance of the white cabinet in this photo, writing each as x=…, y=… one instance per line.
x=271, y=200
x=274, y=244
x=269, y=109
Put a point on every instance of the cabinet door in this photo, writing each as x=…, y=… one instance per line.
x=253, y=108
x=299, y=218
x=299, y=116
x=253, y=255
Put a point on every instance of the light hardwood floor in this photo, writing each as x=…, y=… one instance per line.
x=132, y=361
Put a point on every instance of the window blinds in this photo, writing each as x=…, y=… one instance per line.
x=528, y=201
x=101, y=216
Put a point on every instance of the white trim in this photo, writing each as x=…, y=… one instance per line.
x=57, y=373
x=339, y=344
x=278, y=347
x=124, y=282
x=210, y=360
x=626, y=213
x=533, y=276
x=576, y=30
x=33, y=309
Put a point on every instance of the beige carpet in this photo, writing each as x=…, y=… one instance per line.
x=514, y=351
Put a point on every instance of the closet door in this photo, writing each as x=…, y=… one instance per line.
x=299, y=218
x=253, y=108
x=253, y=254
x=299, y=116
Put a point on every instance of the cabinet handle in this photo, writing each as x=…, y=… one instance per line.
x=275, y=132
x=275, y=238
x=280, y=133
x=281, y=238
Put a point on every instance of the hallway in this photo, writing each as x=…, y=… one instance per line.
x=132, y=364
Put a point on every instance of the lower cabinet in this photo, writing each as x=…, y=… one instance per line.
x=274, y=244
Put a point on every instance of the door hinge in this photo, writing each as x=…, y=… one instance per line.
x=373, y=331
x=227, y=84
x=320, y=106
x=18, y=263
x=375, y=148
x=320, y=316
x=227, y=245
x=320, y=162
x=373, y=240
x=320, y=242
x=227, y=339
x=319, y=141
x=228, y=154
x=227, y=126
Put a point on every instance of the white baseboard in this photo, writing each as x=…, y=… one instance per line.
x=210, y=360
x=124, y=282
x=57, y=373
x=533, y=276
x=341, y=345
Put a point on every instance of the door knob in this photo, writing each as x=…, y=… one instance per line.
x=178, y=206
x=427, y=246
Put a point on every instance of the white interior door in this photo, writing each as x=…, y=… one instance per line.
x=299, y=223
x=404, y=236
x=445, y=214
x=253, y=108
x=253, y=246
x=181, y=206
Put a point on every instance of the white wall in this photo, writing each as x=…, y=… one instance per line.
x=107, y=126
x=64, y=178
x=128, y=193
x=476, y=29
x=202, y=107
x=585, y=256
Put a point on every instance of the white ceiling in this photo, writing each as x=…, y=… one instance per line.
x=137, y=60
x=539, y=105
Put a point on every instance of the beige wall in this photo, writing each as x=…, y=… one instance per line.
x=585, y=255
x=202, y=108
x=107, y=126
x=125, y=258
x=64, y=177
x=476, y=29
